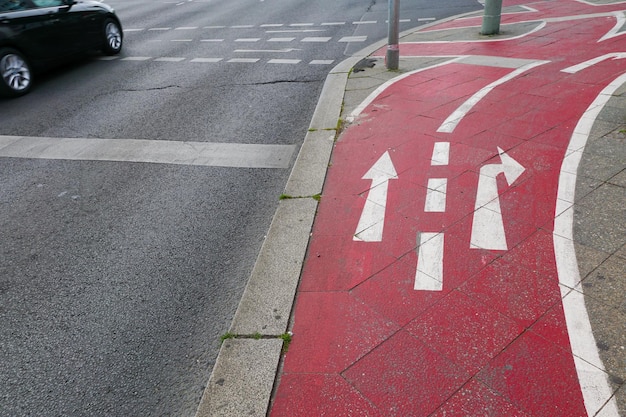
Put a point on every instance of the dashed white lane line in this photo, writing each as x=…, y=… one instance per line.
x=295, y=31
x=213, y=60
x=353, y=39
x=441, y=154
x=276, y=25
x=211, y=40
x=284, y=61
x=281, y=39
x=187, y=28
x=148, y=151
x=429, y=272
x=436, y=195
x=244, y=60
x=207, y=60
x=316, y=39
x=247, y=40
x=169, y=59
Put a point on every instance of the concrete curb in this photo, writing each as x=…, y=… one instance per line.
x=244, y=374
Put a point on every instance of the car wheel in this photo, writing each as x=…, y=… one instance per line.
x=15, y=73
x=112, y=37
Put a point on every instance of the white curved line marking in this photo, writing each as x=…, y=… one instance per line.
x=597, y=392
x=621, y=20
x=455, y=118
x=359, y=109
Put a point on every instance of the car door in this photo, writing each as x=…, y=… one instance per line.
x=37, y=30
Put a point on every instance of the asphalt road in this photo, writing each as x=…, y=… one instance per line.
x=118, y=277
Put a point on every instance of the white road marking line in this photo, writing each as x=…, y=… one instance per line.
x=136, y=58
x=181, y=40
x=244, y=60
x=203, y=60
x=441, y=154
x=359, y=109
x=296, y=31
x=429, y=271
x=436, y=195
x=211, y=40
x=365, y=22
x=321, y=62
x=584, y=65
x=155, y=29
x=594, y=380
x=272, y=25
x=186, y=28
x=353, y=39
x=316, y=39
x=133, y=30
x=242, y=27
x=285, y=50
x=107, y=58
x=333, y=24
x=426, y=19
x=169, y=59
x=148, y=151
x=301, y=24
x=455, y=118
x=214, y=27
x=247, y=40
x=284, y=61
x=281, y=39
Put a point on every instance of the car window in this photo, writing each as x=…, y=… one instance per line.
x=48, y=3
x=13, y=5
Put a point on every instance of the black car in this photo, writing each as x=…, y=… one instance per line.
x=35, y=34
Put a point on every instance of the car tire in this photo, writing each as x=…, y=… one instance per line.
x=15, y=73
x=113, y=37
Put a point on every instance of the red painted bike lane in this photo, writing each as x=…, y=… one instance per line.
x=431, y=285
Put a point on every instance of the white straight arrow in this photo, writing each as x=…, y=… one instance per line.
x=488, y=226
x=372, y=221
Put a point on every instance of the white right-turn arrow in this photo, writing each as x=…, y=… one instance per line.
x=488, y=226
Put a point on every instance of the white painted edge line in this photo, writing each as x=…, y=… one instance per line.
x=236, y=155
x=359, y=109
x=621, y=20
x=429, y=271
x=596, y=389
x=455, y=118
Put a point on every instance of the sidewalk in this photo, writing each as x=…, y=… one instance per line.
x=468, y=252
x=434, y=285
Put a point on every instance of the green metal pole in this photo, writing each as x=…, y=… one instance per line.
x=491, y=19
